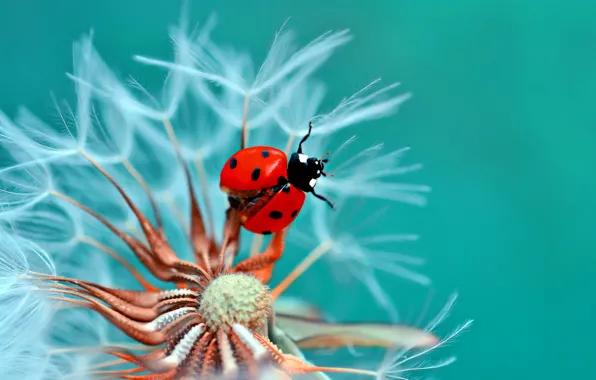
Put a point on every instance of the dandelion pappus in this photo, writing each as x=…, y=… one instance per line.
x=195, y=309
x=268, y=189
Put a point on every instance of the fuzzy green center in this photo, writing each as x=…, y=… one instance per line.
x=235, y=298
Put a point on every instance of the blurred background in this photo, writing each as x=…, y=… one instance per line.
x=502, y=117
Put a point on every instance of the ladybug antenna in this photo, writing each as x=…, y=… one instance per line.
x=325, y=160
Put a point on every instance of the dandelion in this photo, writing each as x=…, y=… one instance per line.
x=121, y=257
x=25, y=312
x=354, y=253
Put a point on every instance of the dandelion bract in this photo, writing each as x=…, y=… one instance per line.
x=120, y=257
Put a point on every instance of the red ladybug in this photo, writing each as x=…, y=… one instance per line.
x=269, y=190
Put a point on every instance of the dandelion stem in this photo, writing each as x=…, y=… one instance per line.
x=66, y=350
x=200, y=168
x=257, y=241
x=244, y=135
x=198, y=235
x=111, y=363
x=109, y=374
x=94, y=243
x=140, y=250
x=67, y=306
x=356, y=371
x=178, y=214
x=289, y=143
x=135, y=231
x=139, y=178
x=312, y=257
x=158, y=243
x=103, y=220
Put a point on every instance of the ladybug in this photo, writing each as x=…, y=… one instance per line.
x=269, y=190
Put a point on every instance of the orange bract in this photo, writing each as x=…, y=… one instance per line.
x=219, y=318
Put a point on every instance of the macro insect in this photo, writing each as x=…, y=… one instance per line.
x=267, y=189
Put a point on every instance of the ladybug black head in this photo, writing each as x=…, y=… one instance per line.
x=304, y=171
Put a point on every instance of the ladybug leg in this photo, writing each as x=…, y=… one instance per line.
x=234, y=202
x=261, y=265
x=322, y=198
x=305, y=137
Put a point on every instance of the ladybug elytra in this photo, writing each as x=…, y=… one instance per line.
x=269, y=190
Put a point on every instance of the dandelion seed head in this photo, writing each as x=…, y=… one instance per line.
x=235, y=299
x=72, y=194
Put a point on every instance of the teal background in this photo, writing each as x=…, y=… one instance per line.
x=503, y=117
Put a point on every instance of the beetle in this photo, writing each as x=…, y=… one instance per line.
x=268, y=189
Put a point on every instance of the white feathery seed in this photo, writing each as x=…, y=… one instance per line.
x=120, y=125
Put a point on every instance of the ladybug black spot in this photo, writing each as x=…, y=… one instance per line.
x=255, y=174
x=294, y=213
x=265, y=153
x=266, y=232
x=233, y=163
x=276, y=214
x=282, y=180
x=286, y=189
